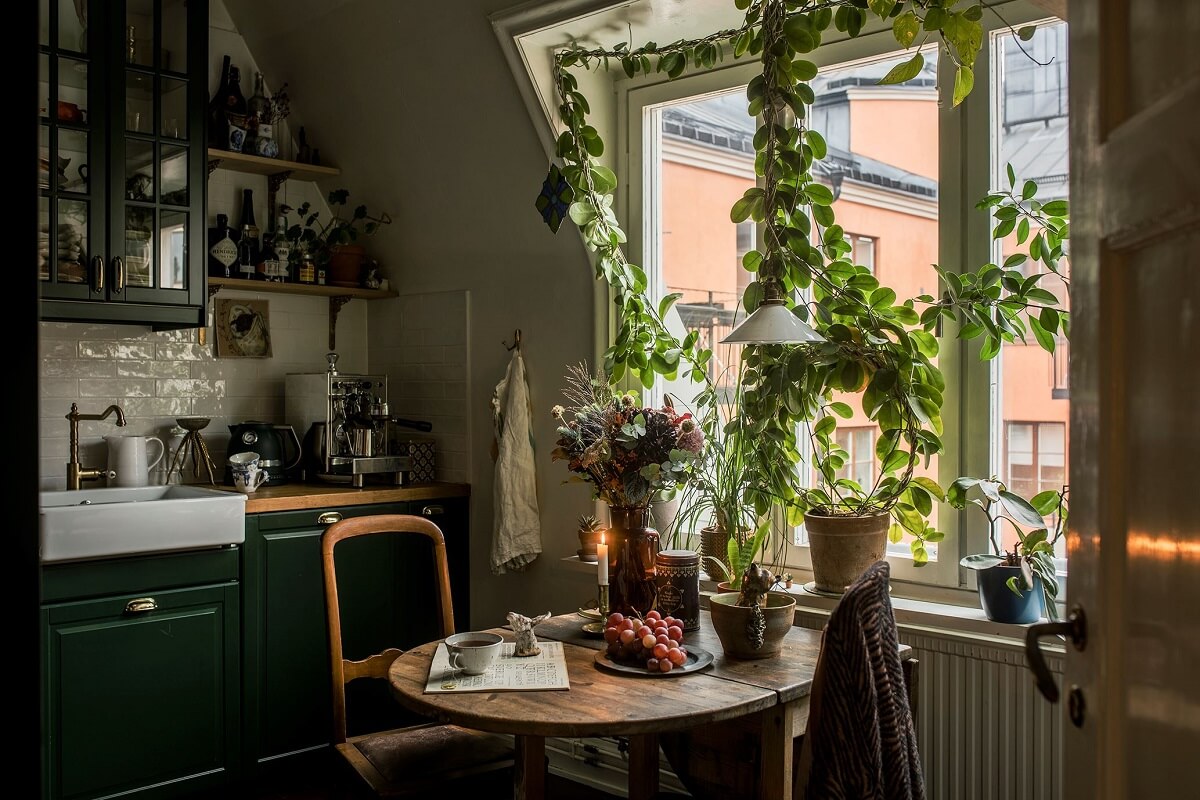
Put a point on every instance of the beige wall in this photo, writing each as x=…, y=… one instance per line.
x=874, y=124
x=416, y=105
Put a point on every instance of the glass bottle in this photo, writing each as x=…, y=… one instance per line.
x=222, y=248
x=303, y=151
x=282, y=247
x=235, y=111
x=257, y=109
x=218, y=123
x=307, y=272
x=248, y=246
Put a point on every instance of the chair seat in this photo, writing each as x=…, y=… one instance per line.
x=405, y=759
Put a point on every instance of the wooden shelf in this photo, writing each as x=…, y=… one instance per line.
x=312, y=290
x=338, y=295
x=258, y=165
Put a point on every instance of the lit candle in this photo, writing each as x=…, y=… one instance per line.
x=602, y=562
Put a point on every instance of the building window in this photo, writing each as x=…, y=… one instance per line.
x=862, y=250
x=859, y=444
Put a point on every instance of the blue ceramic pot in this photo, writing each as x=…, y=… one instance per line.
x=999, y=602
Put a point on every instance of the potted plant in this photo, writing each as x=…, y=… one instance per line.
x=630, y=454
x=752, y=621
x=853, y=337
x=338, y=248
x=1017, y=584
x=589, y=536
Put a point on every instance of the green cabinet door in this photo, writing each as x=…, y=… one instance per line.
x=387, y=598
x=142, y=693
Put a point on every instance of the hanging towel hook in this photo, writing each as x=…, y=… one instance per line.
x=516, y=345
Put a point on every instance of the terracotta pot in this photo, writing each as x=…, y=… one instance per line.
x=843, y=547
x=347, y=265
x=724, y=588
x=731, y=621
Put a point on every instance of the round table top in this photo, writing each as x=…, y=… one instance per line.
x=598, y=703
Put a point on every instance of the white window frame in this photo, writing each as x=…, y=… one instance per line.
x=965, y=175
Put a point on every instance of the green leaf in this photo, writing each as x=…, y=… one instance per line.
x=895, y=533
x=1020, y=510
x=825, y=426
x=665, y=304
x=882, y=7
x=964, y=81
x=1045, y=502
x=1044, y=338
x=1025, y=33
x=842, y=410
x=817, y=143
x=1028, y=190
x=804, y=70
x=905, y=28
x=980, y=561
x=1012, y=176
x=905, y=71
x=1055, y=208
x=819, y=194
x=931, y=486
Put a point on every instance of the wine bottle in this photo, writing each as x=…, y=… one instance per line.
x=257, y=109
x=218, y=124
x=248, y=246
x=303, y=151
x=222, y=248
x=235, y=106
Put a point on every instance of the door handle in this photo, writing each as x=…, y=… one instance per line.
x=432, y=511
x=118, y=267
x=1074, y=628
x=141, y=605
x=328, y=518
x=97, y=274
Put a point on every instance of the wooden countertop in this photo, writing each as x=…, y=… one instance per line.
x=299, y=496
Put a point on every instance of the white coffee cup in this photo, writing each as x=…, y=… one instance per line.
x=473, y=652
x=248, y=479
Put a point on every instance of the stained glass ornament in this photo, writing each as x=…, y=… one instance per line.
x=555, y=198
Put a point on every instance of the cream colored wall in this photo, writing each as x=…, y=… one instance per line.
x=416, y=105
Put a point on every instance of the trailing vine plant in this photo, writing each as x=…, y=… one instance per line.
x=876, y=345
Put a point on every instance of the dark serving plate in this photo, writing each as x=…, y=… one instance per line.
x=697, y=659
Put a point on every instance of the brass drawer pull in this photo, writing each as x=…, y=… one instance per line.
x=141, y=605
x=431, y=511
x=329, y=517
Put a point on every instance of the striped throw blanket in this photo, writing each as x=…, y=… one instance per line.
x=860, y=743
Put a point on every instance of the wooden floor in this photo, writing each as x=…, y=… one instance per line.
x=557, y=788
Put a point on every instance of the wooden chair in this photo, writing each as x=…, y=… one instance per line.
x=419, y=758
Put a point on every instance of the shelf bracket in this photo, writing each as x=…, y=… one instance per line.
x=212, y=291
x=274, y=181
x=335, y=306
x=213, y=163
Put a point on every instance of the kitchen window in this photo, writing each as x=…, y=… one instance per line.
x=690, y=158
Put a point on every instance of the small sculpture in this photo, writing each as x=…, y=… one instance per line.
x=523, y=626
x=756, y=582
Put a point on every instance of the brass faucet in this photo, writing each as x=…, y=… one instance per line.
x=76, y=473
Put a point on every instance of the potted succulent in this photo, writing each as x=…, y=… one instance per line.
x=589, y=536
x=1017, y=584
x=852, y=337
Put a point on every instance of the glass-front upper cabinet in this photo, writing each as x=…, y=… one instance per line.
x=122, y=161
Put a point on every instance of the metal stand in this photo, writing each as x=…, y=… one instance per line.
x=193, y=445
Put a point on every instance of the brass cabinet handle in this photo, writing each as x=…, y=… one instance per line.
x=97, y=274
x=118, y=265
x=431, y=511
x=141, y=605
x=328, y=518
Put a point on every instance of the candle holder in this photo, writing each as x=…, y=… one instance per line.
x=602, y=599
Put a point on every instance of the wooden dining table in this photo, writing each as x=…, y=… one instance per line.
x=772, y=692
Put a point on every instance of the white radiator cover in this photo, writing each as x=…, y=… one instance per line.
x=983, y=729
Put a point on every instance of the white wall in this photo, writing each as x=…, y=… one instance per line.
x=416, y=105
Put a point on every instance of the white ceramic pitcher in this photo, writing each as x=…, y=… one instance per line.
x=127, y=456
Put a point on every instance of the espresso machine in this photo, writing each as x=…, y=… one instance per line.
x=350, y=428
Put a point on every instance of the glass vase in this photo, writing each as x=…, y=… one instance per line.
x=632, y=550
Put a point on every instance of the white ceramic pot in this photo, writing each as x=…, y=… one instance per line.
x=128, y=458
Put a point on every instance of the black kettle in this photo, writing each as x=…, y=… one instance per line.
x=271, y=442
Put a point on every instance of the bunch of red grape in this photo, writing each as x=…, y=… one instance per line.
x=656, y=641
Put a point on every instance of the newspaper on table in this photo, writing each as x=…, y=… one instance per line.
x=508, y=673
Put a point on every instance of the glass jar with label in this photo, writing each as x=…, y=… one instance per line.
x=307, y=272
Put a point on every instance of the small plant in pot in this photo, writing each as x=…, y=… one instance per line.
x=589, y=536
x=1016, y=584
x=338, y=246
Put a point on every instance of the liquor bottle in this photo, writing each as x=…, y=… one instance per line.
x=235, y=102
x=222, y=248
x=248, y=246
x=257, y=108
x=303, y=152
x=283, y=249
x=218, y=125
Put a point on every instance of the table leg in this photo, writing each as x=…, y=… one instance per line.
x=777, y=736
x=643, y=766
x=529, y=775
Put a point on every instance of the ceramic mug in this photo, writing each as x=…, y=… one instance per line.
x=243, y=460
x=248, y=480
x=473, y=652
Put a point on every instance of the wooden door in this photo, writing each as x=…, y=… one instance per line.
x=1134, y=540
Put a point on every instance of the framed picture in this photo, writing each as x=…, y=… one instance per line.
x=243, y=328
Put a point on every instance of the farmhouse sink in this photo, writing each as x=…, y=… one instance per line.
x=101, y=523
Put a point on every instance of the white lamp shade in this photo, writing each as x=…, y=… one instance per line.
x=772, y=323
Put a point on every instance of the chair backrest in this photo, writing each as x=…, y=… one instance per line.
x=375, y=666
x=860, y=740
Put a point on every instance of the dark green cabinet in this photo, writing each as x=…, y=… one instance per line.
x=122, y=162
x=141, y=687
x=387, y=597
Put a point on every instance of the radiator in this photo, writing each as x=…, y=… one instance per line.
x=983, y=729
